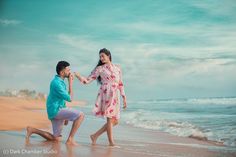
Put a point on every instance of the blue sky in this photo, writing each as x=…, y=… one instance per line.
x=167, y=49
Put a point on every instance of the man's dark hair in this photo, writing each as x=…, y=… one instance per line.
x=61, y=65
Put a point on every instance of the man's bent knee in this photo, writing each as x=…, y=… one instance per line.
x=81, y=116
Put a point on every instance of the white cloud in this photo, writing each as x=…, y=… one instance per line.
x=7, y=22
x=80, y=43
x=226, y=8
x=155, y=65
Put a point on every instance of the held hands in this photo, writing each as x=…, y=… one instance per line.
x=81, y=78
x=84, y=80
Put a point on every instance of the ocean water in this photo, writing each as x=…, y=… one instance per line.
x=207, y=118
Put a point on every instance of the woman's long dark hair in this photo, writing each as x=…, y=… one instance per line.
x=106, y=52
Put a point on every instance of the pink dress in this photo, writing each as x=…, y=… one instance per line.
x=108, y=99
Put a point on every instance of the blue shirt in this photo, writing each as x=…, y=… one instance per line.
x=57, y=96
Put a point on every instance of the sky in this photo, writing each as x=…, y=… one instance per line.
x=167, y=49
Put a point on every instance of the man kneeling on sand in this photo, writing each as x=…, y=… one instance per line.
x=57, y=111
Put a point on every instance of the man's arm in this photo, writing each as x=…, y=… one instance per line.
x=61, y=91
x=70, y=80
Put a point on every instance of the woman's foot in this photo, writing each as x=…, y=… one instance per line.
x=29, y=131
x=112, y=145
x=71, y=142
x=93, y=139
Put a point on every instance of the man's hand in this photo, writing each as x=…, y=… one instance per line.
x=65, y=122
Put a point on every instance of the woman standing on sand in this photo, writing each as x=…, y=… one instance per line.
x=107, y=103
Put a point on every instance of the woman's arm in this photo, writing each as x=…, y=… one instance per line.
x=93, y=76
x=81, y=78
x=124, y=102
x=121, y=85
x=122, y=90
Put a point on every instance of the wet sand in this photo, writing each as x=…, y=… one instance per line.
x=132, y=142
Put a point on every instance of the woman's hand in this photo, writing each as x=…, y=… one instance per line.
x=124, y=102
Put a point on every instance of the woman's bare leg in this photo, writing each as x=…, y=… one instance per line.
x=109, y=132
x=101, y=131
x=98, y=133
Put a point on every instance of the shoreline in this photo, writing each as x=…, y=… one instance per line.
x=132, y=141
x=23, y=108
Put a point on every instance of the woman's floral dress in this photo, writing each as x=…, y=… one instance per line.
x=108, y=99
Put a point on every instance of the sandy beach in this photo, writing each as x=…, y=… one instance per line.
x=17, y=113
